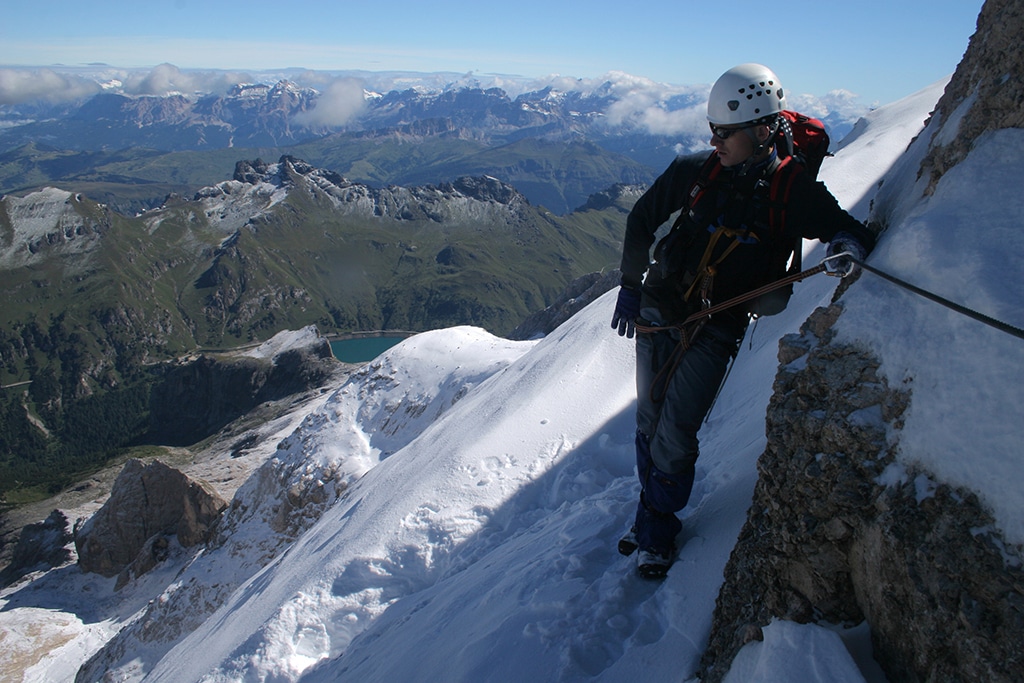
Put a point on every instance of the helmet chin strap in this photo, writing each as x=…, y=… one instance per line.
x=759, y=146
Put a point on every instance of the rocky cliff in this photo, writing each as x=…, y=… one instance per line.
x=836, y=532
x=148, y=505
x=833, y=535
x=40, y=546
x=466, y=199
x=198, y=395
x=986, y=91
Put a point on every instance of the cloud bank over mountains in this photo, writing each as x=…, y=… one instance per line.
x=19, y=86
x=635, y=101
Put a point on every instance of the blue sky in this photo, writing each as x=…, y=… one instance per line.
x=881, y=51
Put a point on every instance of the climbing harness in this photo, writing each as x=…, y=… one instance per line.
x=704, y=314
x=708, y=270
x=692, y=326
x=963, y=310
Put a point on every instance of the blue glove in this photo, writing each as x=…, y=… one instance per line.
x=843, y=242
x=627, y=308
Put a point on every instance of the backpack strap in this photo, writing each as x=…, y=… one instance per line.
x=778, y=199
x=778, y=194
x=779, y=189
x=705, y=177
x=708, y=172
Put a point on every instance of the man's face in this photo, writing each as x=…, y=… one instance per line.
x=735, y=144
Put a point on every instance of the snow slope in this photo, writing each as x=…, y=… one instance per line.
x=486, y=481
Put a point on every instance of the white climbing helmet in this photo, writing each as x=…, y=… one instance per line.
x=745, y=94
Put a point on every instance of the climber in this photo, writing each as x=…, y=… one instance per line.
x=722, y=245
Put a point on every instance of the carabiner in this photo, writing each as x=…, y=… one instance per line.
x=837, y=273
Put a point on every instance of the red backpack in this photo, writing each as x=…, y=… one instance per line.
x=807, y=140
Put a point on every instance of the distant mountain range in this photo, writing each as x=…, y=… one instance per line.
x=556, y=146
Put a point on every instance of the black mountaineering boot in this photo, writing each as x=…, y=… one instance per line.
x=652, y=564
x=628, y=544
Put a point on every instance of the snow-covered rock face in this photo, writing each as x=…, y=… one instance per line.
x=285, y=341
x=375, y=413
x=820, y=479
x=986, y=90
x=840, y=530
x=43, y=225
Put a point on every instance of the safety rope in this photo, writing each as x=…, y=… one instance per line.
x=706, y=313
x=735, y=301
x=691, y=327
x=963, y=310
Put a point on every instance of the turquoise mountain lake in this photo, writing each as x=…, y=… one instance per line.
x=362, y=349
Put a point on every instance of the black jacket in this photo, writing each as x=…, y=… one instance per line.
x=737, y=201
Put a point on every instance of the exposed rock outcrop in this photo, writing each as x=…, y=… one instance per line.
x=838, y=531
x=40, y=546
x=197, y=397
x=986, y=92
x=147, y=504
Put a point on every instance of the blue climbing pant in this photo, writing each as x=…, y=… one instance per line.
x=671, y=405
x=661, y=495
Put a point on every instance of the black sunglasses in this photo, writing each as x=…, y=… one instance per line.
x=723, y=132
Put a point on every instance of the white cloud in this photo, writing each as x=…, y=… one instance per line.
x=339, y=102
x=639, y=103
x=167, y=78
x=657, y=108
x=841, y=103
x=18, y=86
